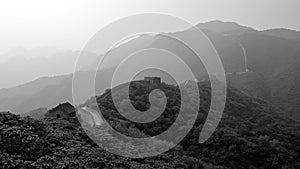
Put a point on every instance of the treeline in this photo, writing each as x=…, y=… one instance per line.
x=252, y=134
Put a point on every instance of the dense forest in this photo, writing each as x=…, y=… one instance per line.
x=251, y=134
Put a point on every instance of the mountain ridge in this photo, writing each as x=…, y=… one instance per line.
x=272, y=61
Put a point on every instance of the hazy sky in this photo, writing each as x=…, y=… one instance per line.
x=69, y=24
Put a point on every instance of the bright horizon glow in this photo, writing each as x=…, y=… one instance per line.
x=69, y=24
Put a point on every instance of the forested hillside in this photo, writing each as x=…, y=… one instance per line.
x=252, y=134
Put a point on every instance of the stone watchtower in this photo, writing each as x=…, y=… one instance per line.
x=153, y=80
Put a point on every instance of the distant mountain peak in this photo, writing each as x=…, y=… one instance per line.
x=283, y=33
x=221, y=27
x=221, y=22
x=282, y=29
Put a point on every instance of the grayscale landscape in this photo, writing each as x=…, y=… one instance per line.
x=44, y=125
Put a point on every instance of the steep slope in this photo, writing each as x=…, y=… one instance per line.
x=273, y=62
x=37, y=114
x=49, y=91
x=250, y=83
x=252, y=133
x=277, y=61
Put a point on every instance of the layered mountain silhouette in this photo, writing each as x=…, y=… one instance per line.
x=25, y=65
x=262, y=64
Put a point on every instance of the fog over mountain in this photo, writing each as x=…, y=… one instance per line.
x=271, y=57
x=22, y=65
x=160, y=84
